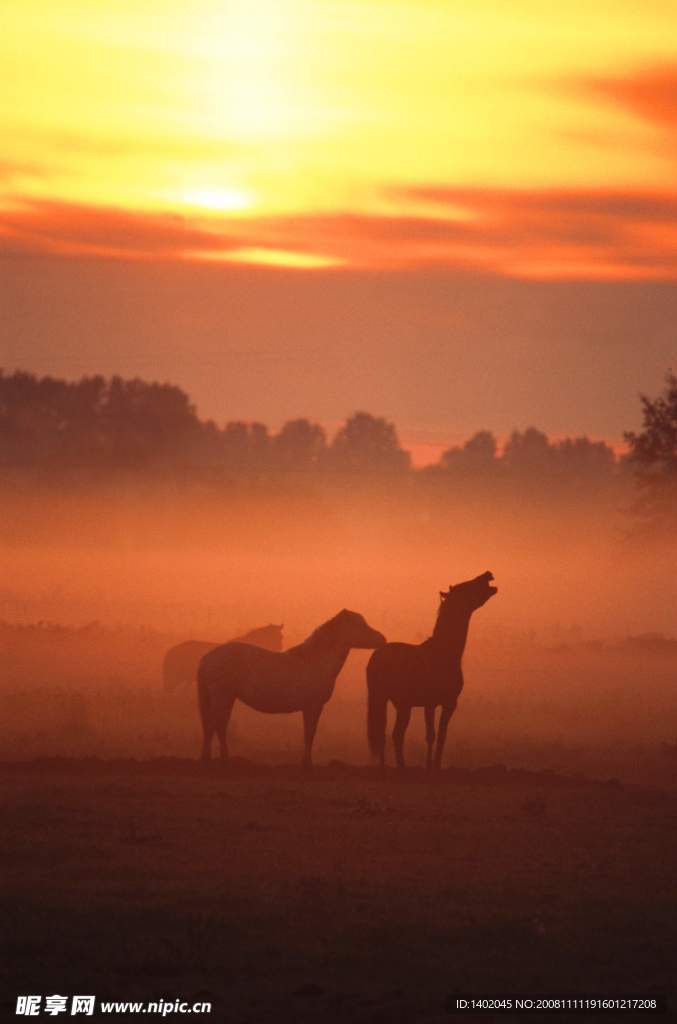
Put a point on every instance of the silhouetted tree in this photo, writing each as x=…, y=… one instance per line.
x=246, y=447
x=235, y=445
x=115, y=424
x=476, y=457
x=367, y=444
x=528, y=453
x=653, y=453
x=299, y=446
x=148, y=425
x=101, y=426
x=44, y=421
x=579, y=458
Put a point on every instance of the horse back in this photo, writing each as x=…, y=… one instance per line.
x=236, y=653
x=265, y=680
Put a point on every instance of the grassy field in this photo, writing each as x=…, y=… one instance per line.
x=339, y=897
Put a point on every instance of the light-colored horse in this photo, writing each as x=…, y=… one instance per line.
x=300, y=679
x=179, y=665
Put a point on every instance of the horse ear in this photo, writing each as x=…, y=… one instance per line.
x=443, y=594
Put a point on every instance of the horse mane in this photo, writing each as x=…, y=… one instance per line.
x=438, y=617
x=442, y=611
x=317, y=635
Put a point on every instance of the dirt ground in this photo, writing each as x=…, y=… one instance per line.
x=336, y=897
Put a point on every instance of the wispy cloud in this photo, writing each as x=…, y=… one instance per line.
x=649, y=93
x=102, y=231
x=548, y=233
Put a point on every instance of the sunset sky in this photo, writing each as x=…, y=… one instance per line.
x=454, y=214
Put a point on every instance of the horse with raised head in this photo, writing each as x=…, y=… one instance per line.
x=300, y=679
x=424, y=675
x=179, y=665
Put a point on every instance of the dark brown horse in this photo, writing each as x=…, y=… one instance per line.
x=179, y=666
x=300, y=679
x=424, y=675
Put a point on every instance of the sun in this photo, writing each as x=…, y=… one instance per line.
x=220, y=200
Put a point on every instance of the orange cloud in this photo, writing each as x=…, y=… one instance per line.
x=651, y=94
x=67, y=228
x=547, y=234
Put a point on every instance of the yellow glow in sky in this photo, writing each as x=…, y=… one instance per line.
x=219, y=199
x=274, y=111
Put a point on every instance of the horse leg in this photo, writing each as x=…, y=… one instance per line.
x=445, y=715
x=401, y=723
x=207, y=744
x=429, y=734
x=210, y=728
x=311, y=716
x=222, y=727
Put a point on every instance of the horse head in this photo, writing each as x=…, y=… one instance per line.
x=470, y=595
x=352, y=629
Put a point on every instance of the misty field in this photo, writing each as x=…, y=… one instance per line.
x=542, y=860
x=339, y=897
x=554, y=702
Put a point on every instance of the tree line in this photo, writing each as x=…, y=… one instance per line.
x=97, y=426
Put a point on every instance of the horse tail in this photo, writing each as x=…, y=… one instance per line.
x=377, y=703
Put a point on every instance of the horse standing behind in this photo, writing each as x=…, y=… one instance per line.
x=424, y=675
x=179, y=665
x=300, y=679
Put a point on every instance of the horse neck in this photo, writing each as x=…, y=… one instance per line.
x=451, y=634
x=336, y=658
x=332, y=656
